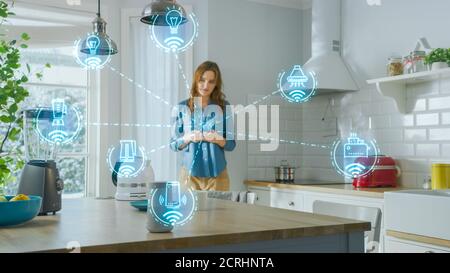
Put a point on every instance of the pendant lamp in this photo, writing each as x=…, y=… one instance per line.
x=164, y=13
x=99, y=42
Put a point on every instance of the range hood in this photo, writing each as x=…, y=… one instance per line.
x=331, y=69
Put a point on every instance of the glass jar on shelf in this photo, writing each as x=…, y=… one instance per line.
x=418, y=61
x=407, y=65
x=395, y=66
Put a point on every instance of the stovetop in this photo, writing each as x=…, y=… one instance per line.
x=312, y=182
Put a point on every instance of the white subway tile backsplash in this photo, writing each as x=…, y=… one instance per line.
x=439, y=103
x=427, y=119
x=307, y=150
x=445, y=118
x=293, y=126
x=291, y=149
x=445, y=86
x=439, y=161
x=399, y=120
x=408, y=180
x=416, y=105
x=256, y=173
x=388, y=107
x=369, y=109
x=269, y=174
x=388, y=135
x=380, y=122
x=251, y=161
x=441, y=134
x=424, y=89
x=253, y=149
x=264, y=161
x=412, y=135
x=427, y=150
x=402, y=150
x=413, y=139
x=413, y=165
x=445, y=150
x=385, y=149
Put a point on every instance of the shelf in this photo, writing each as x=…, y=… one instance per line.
x=395, y=87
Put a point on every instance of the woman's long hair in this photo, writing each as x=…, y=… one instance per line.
x=217, y=95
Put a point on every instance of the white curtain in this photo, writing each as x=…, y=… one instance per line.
x=158, y=72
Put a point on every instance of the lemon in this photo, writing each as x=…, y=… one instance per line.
x=20, y=197
x=3, y=199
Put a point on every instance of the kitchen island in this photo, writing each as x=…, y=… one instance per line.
x=91, y=225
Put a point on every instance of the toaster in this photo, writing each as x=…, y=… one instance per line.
x=383, y=174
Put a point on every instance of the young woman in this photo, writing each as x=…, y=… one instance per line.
x=201, y=133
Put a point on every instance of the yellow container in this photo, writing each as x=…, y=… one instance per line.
x=440, y=176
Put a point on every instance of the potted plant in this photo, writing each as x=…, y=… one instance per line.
x=438, y=58
x=12, y=93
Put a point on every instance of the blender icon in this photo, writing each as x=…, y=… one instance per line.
x=57, y=134
x=59, y=108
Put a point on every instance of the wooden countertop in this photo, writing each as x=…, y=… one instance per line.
x=418, y=238
x=346, y=189
x=113, y=226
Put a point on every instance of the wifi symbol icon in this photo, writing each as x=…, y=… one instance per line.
x=173, y=216
x=174, y=42
x=93, y=62
x=355, y=169
x=126, y=170
x=297, y=95
x=58, y=136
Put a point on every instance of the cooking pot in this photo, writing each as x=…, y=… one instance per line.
x=284, y=173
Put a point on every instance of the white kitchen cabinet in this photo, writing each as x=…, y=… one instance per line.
x=262, y=195
x=286, y=199
x=303, y=200
x=310, y=197
x=396, y=245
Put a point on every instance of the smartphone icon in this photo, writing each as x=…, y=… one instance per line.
x=173, y=194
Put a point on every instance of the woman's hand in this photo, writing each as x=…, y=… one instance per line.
x=214, y=137
x=194, y=136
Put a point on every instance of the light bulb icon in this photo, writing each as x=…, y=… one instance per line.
x=93, y=43
x=174, y=19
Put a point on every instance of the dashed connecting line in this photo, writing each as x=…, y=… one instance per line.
x=264, y=98
x=140, y=86
x=180, y=67
x=288, y=141
x=130, y=125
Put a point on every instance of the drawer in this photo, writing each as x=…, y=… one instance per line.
x=394, y=245
x=287, y=200
x=262, y=196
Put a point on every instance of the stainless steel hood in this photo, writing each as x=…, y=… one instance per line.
x=332, y=71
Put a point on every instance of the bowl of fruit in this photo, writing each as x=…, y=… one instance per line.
x=15, y=210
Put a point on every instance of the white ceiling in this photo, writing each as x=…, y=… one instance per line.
x=295, y=4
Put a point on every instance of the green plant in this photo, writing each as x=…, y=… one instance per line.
x=438, y=55
x=12, y=94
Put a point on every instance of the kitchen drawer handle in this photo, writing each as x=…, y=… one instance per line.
x=291, y=204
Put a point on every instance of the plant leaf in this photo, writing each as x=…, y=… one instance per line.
x=25, y=36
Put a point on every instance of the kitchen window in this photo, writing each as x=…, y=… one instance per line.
x=67, y=80
x=52, y=42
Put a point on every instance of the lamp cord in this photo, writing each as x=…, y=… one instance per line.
x=98, y=13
